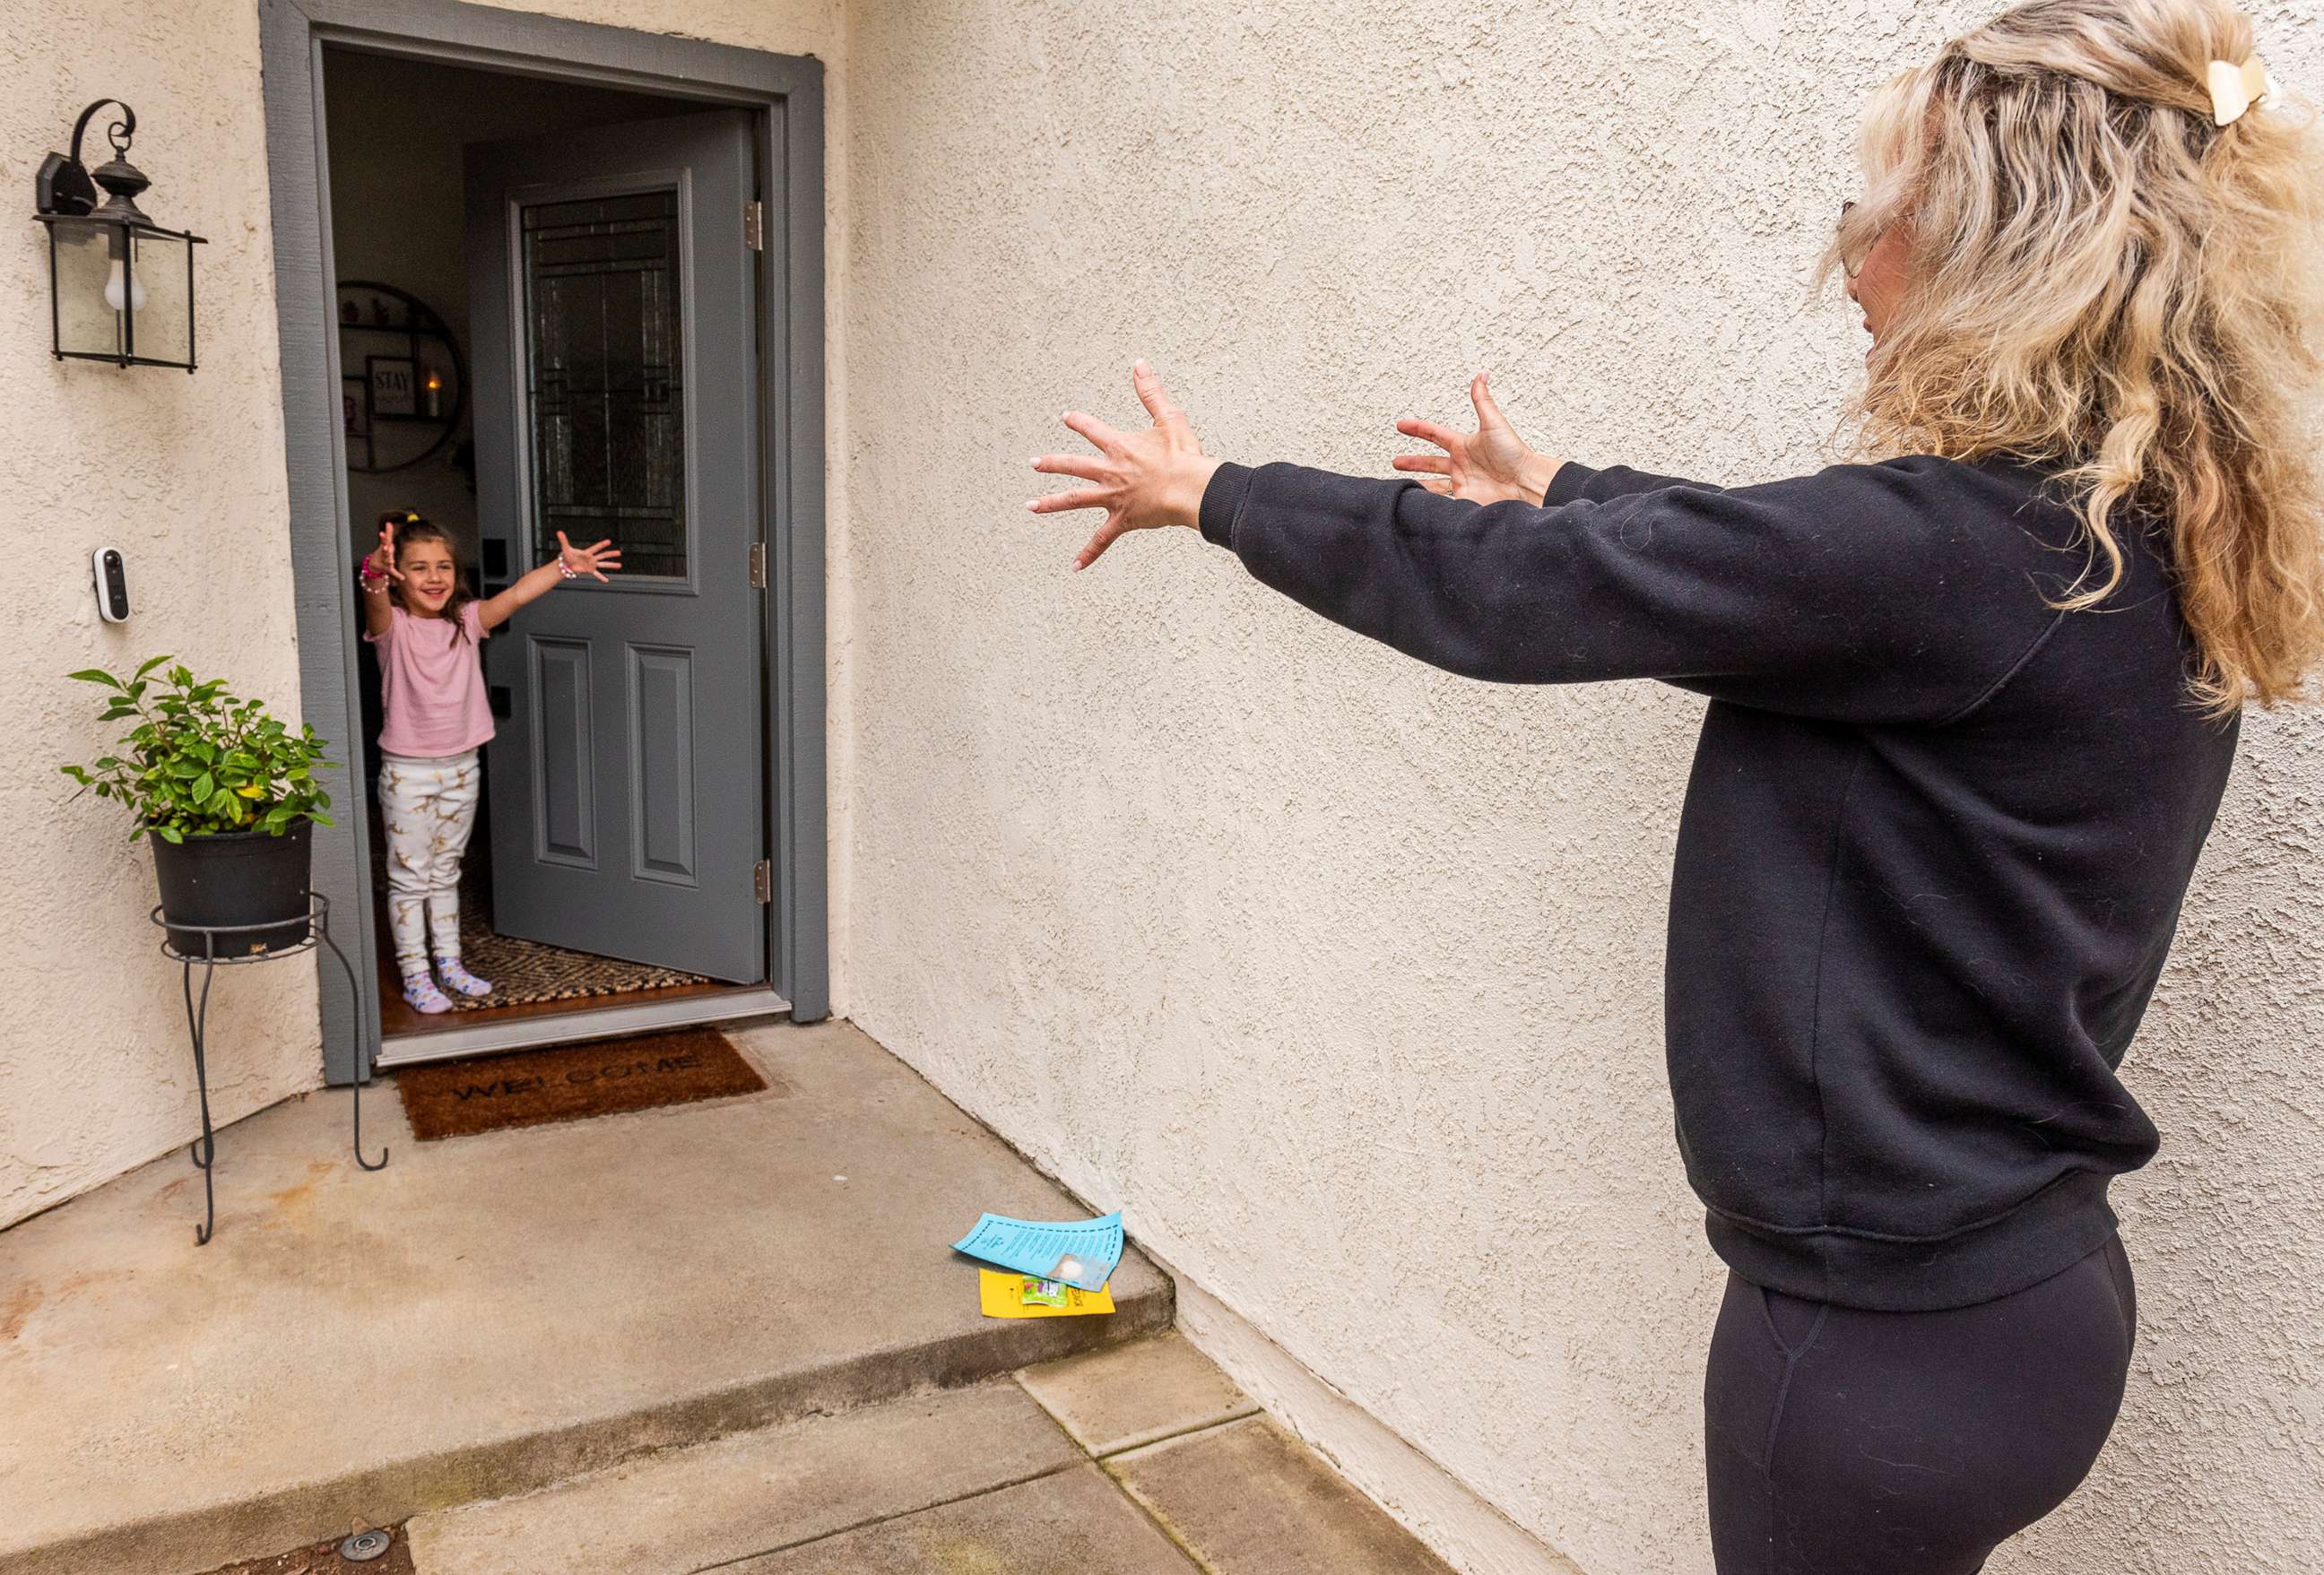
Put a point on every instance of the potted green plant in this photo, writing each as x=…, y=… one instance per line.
x=224, y=793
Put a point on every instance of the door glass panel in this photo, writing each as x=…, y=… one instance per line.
x=604, y=386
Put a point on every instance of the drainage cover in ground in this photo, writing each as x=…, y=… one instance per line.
x=450, y=1099
x=324, y=1558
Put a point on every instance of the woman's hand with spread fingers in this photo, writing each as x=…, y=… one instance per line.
x=1142, y=480
x=1491, y=465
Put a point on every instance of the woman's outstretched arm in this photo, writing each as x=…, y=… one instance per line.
x=1579, y=484
x=1864, y=592
x=1897, y=592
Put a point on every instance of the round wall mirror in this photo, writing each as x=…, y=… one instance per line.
x=403, y=384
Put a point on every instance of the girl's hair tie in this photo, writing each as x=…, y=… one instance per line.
x=2235, y=88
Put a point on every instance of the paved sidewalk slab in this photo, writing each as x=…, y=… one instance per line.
x=492, y=1315
x=1075, y=1522
x=714, y=1503
x=980, y=1480
x=1122, y=1397
x=1250, y=1499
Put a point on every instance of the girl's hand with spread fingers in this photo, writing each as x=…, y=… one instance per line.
x=1491, y=465
x=382, y=561
x=592, y=560
x=1142, y=480
x=571, y=563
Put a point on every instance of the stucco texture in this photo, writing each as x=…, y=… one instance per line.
x=1342, y=975
x=185, y=475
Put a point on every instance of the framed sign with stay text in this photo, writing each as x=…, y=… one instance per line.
x=394, y=387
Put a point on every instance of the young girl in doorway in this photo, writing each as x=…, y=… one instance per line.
x=429, y=629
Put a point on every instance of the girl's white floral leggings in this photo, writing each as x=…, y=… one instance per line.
x=430, y=807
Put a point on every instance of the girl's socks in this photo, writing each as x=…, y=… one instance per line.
x=420, y=991
x=450, y=971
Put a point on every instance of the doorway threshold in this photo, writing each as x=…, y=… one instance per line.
x=583, y=1023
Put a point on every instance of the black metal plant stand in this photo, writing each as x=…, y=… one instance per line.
x=204, y=1149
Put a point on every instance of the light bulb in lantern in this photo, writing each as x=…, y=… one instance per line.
x=121, y=290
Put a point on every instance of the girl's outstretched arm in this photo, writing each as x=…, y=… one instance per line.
x=571, y=562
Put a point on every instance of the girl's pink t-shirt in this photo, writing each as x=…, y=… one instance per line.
x=432, y=684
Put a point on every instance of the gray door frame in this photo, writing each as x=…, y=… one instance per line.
x=786, y=90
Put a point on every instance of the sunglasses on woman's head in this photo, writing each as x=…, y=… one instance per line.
x=1846, y=266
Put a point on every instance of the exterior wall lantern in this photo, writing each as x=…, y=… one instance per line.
x=121, y=287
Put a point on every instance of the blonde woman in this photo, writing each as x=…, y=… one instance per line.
x=1973, y=703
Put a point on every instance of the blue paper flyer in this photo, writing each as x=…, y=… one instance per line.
x=1082, y=1253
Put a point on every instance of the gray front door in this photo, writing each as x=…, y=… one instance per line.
x=613, y=302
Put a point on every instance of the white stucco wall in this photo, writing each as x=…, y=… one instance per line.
x=185, y=475
x=1342, y=975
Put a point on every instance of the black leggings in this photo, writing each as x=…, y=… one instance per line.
x=1848, y=1443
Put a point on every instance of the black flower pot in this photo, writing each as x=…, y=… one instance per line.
x=236, y=878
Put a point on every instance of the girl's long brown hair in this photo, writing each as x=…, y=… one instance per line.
x=410, y=527
x=2105, y=281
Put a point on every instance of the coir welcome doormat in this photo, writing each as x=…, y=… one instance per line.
x=450, y=1099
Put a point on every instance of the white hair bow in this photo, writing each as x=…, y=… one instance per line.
x=2235, y=88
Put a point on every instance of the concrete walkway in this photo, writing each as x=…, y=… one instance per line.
x=1137, y=1460
x=493, y=1314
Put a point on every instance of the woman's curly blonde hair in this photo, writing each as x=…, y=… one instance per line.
x=2105, y=282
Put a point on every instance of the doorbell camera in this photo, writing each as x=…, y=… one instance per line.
x=112, y=585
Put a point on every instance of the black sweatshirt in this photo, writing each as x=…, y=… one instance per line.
x=1934, y=846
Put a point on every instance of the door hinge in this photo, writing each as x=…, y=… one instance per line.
x=758, y=565
x=763, y=881
x=755, y=224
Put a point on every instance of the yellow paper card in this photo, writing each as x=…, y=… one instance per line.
x=1002, y=1295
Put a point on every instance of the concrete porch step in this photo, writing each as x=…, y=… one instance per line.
x=490, y=1315
x=1138, y=1459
